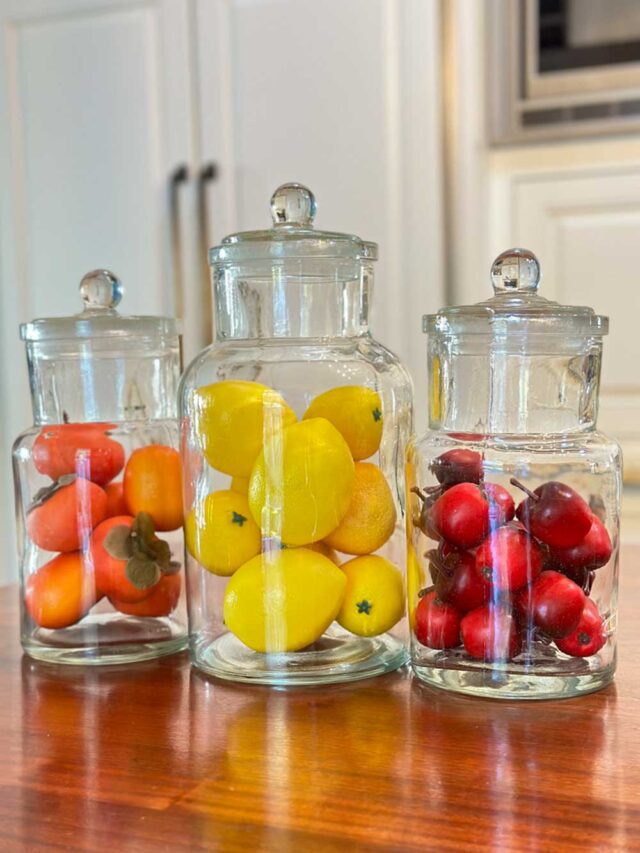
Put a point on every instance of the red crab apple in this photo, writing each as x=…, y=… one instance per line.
x=593, y=552
x=553, y=603
x=461, y=516
x=437, y=624
x=508, y=559
x=555, y=514
x=589, y=636
x=490, y=633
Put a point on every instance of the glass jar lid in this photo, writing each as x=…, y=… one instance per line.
x=516, y=310
x=293, y=209
x=101, y=293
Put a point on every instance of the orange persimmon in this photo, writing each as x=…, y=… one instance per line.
x=61, y=592
x=161, y=601
x=110, y=572
x=63, y=516
x=116, y=504
x=83, y=449
x=153, y=484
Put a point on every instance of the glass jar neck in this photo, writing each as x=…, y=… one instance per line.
x=482, y=387
x=298, y=298
x=103, y=379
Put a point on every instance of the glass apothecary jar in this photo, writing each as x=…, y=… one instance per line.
x=514, y=499
x=98, y=486
x=294, y=427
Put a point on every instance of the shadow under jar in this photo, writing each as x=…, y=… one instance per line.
x=294, y=428
x=98, y=486
x=513, y=499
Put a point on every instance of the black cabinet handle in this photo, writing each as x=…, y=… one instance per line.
x=207, y=175
x=177, y=179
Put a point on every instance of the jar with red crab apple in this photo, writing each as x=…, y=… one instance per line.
x=99, y=487
x=513, y=499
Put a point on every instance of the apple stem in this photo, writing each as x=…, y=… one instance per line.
x=425, y=494
x=425, y=591
x=523, y=488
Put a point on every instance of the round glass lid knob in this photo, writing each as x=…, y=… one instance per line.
x=100, y=290
x=515, y=270
x=293, y=204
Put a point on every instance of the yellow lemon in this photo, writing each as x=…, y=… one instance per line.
x=415, y=582
x=374, y=598
x=324, y=549
x=240, y=485
x=356, y=412
x=283, y=600
x=371, y=516
x=301, y=484
x=232, y=419
x=221, y=533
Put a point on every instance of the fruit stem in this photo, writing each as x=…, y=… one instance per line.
x=419, y=493
x=427, y=493
x=523, y=488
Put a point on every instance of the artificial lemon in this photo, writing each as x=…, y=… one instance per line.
x=283, y=600
x=356, y=412
x=240, y=485
x=374, y=598
x=221, y=533
x=301, y=484
x=371, y=516
x=415, y=581
x=232, y=420
x=324, y=549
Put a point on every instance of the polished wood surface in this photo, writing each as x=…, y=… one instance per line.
x=157, y=757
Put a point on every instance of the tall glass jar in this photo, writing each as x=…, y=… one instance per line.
x=98, y=486
x=514, y=499
x=294, y=426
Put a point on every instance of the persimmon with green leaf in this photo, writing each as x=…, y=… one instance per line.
x=128, y=558
x=161, y=601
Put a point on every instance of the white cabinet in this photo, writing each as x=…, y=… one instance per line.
x=96, y=113
x=578, y=207
x=344, y=96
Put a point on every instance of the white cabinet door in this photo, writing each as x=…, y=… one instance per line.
x=586, y=226
x=344, y=96
x=578, y=207
x=95, y=115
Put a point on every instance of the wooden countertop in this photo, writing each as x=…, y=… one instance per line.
x=156, y=757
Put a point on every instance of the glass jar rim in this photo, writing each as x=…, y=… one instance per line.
x=101, y=292
x=292, y=235
x=516, y=310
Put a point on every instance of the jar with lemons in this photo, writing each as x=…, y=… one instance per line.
x=294, y=425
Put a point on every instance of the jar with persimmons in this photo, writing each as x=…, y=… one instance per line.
x=294, y=425
x=98, y=486
x=514, y=499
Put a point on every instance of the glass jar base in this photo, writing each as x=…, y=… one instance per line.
x=336, y=657
x=108, y=642
x=505, y=684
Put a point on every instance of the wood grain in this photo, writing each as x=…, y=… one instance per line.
x=157, y=757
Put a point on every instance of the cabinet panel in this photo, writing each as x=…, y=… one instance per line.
x=344, y=96
x=584, y=224
x=91, y=136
